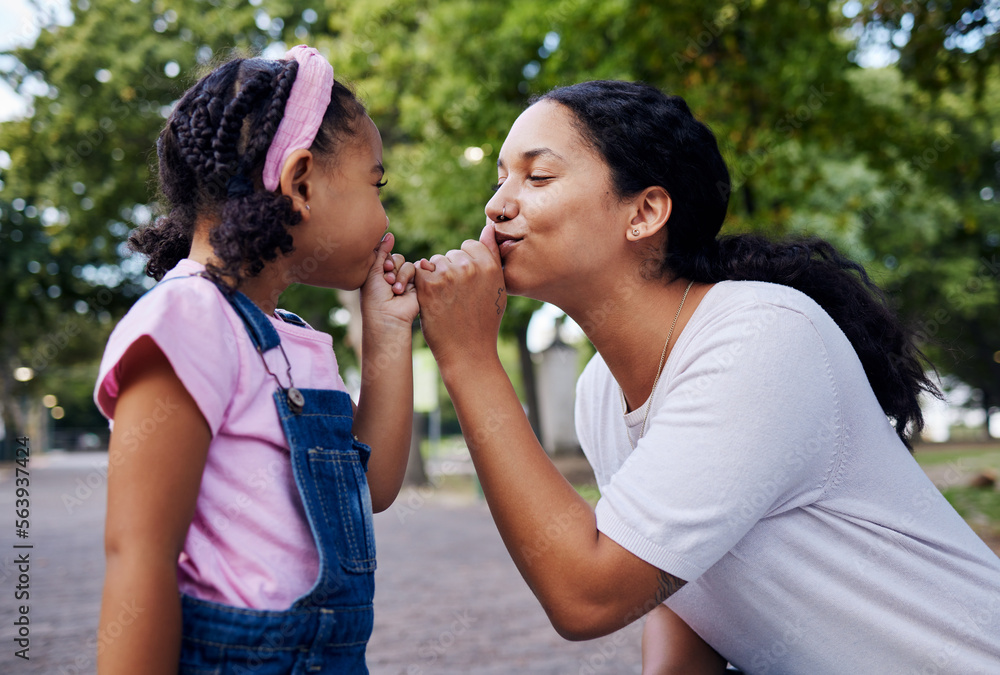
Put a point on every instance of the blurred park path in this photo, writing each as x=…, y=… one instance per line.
x=448, y=598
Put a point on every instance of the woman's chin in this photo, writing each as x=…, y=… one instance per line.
x=510, y=282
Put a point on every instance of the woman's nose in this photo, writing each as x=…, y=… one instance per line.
x=499, y=210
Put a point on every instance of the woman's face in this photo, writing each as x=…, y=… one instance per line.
x=563, y=224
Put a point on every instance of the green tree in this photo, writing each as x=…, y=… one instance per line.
x=896, y=165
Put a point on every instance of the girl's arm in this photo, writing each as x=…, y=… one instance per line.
x=587, y=584
x=384, y=416
x=156, y=458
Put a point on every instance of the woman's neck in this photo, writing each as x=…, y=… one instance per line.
x=628, y=324
x=263, y=289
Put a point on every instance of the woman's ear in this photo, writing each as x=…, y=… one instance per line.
x=652, y=211
x=296, y=179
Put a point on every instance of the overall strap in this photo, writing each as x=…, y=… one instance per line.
x=259, y=327
x=261, y=332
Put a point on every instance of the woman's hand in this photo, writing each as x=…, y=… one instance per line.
x=462, y=299
x=390, y=292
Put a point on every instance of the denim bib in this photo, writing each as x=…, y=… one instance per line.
x=327, y=629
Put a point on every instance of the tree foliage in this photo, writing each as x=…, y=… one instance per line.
x=898, y=165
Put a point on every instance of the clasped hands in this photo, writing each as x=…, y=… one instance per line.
x=461, y=296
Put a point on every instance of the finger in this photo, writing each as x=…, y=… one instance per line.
x=426, y=265
x=385, y=246
x=383, y=251
x=404, y=277
x=488, y=237
x=439, y=260
x=471, y=246
x=393, y=262
x=458, y=256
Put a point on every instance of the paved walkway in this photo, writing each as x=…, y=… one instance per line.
x=448, y=598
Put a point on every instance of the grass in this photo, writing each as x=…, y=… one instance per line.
x=928, y=454
x=977, y=505
x=588, y=492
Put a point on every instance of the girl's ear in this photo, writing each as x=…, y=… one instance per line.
x=652, y=208
x=296, y=179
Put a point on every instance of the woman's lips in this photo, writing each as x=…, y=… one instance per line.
x=506, y=242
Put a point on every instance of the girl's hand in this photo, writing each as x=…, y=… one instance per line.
x=390, y=292
x=462, y=300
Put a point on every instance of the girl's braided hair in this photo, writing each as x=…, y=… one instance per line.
x=211, y=157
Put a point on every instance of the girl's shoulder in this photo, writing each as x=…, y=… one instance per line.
x=191, y=322
x=184, y=297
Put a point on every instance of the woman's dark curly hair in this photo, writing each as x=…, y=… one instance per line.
x=220, y=129
x=649, y=138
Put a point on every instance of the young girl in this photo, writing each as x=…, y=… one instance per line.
x=239, y=534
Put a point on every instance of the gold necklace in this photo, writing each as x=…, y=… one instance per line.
x=659, y=369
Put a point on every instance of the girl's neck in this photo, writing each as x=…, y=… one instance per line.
x=263, y=289
x=628, y=324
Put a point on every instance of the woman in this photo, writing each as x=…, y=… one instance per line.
x=737, y=428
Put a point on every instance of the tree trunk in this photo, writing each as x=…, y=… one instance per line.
x=528, y=378
x=415, y=472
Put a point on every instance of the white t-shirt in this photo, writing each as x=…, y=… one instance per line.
x=769, y=478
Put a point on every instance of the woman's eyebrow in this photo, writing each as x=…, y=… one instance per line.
x=536, y=152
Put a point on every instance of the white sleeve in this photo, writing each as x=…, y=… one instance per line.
x=747, y=428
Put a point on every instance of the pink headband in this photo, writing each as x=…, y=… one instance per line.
x=307, y=103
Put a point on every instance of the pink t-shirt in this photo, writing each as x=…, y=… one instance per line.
x=249, y=544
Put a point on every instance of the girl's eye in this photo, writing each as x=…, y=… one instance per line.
x=382, y=183
x=495, y=186
x=540, y=178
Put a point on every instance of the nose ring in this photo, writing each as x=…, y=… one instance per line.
x=503, y=214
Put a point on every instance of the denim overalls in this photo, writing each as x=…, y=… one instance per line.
x=327, y=629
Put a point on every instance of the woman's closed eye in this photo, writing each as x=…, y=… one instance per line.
x=381, y=184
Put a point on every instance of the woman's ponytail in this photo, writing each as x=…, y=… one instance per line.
x=893, y=364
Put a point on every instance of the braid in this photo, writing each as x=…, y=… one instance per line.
x=282, y=87
x=225, y=143
x=221, y=129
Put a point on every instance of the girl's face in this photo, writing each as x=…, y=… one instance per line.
x=335, y=246
x=565, y=226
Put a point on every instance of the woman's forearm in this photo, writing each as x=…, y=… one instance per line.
x=549, y=530
x=588, y=584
